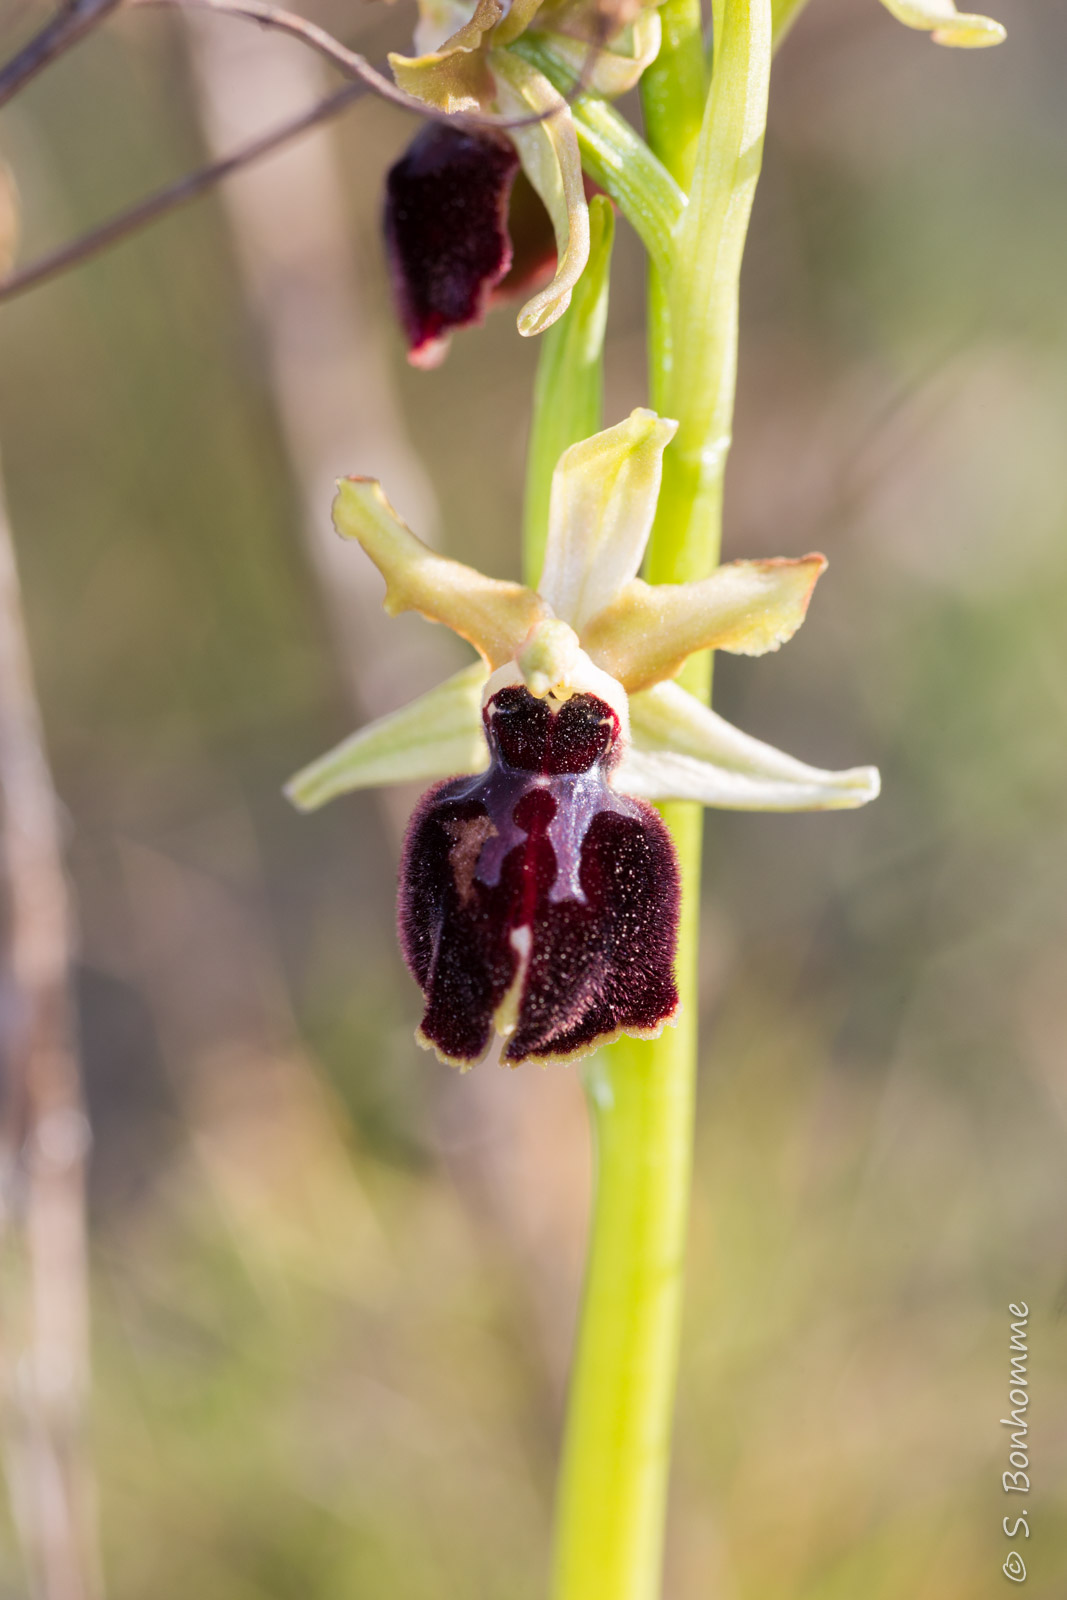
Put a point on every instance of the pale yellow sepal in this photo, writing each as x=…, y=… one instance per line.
x=550, y=158
x=615, y=69
x=604, y=493
x=958, y=29
x=494, y=616
x=439, y=735
x=747, y=607
x=453, y=77
x=682, y=750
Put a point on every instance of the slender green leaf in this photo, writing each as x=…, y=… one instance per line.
x=568, y=394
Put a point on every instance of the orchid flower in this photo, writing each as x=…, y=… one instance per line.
x=459, y=231
x=538, y=889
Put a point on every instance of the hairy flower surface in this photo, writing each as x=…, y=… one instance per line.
x=534, y=897
x=539, y=892
x=458, y=226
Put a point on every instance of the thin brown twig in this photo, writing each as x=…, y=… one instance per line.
x=353, y=65
x=82, y=15
x=174, y=195
x=70, y=24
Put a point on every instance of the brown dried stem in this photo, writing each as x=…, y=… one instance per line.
x=44, y=1141
x=70, y=24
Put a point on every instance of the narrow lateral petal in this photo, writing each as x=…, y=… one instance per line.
x=604, y=494
x=446, y=233
x=494, y=616
x=681, y=750
x=439, y=735
x=958, y=29
x=747, y=607
x=549, y=154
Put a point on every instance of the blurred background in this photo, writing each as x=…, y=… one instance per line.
x=333, y=1285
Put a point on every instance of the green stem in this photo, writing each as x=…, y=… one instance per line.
x=612, y=1494
x=613, y=1480
x=673, y=94
x=703, y=294
x=674, y=89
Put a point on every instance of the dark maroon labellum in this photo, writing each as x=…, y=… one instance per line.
x=459, y=229
x=535, y=892
x=446, y=206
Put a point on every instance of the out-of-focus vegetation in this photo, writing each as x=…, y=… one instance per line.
x=334, y=1286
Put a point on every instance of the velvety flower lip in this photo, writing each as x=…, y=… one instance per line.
x=446, y=234
x=536, y=900
x=538, y=892
x=464, y=228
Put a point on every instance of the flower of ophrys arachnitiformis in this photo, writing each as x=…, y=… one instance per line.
x=538, y=889
x=460, y=231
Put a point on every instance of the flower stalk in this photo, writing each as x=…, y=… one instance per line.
x=612, y=1492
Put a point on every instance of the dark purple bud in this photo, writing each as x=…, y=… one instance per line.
x=446, y=207
x=534, y=897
